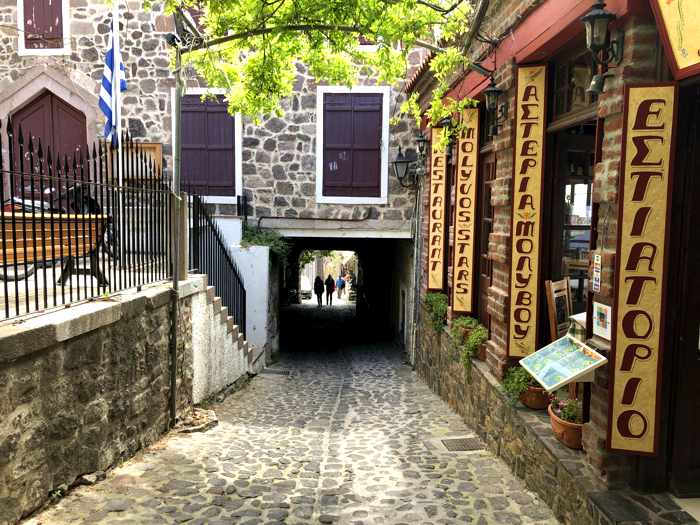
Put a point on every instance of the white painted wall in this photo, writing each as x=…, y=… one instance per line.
x=218, y=359
x=231, y=228
x=254, y=265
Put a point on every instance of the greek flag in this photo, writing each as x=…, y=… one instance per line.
x=114, y=73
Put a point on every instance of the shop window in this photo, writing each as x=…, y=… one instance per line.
x=572, y=77
x=572, y=209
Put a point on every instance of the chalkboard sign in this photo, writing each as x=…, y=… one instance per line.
x=559, y=306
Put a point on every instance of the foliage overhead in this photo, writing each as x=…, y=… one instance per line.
x=252, y=47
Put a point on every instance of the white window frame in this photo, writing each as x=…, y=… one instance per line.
x=385, y=91
x=237, y=144
x=21, y=44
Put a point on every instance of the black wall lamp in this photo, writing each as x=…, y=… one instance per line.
x=498, y=112
x=604, y=48
x=409, y=169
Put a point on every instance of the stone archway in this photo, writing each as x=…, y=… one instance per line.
x=40, y=79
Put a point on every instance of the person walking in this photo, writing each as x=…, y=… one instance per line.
x=340, y=286
x=318, y=290
x=330, y=288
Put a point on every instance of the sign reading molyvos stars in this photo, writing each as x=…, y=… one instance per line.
x=437, y=207
x=642, y=253
x=465, y=213
x=528, y=162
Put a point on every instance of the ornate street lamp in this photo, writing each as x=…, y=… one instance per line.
x=492, y=96
x=409, y=170
x=604, y=49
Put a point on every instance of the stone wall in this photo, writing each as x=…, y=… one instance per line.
x=523, y=438
x=146, y=103
x=85, y=387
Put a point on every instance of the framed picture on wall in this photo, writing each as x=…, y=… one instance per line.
x=602, y=321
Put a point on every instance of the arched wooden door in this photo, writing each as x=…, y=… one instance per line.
x=56, y=123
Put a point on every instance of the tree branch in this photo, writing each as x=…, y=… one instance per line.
x=273, y=30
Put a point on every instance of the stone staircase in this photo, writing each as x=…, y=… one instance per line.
x=221, y=354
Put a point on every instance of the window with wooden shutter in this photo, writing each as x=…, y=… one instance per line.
x=208, y=146
x=352, y=144
x=43, y=24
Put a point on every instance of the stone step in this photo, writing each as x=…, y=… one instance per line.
x=217, y=304
x=211, y=293
x=229, y=324
x=224, y=314
x=235, y=331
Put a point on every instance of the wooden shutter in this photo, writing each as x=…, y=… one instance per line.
x=43, y=24
x=352, y=135
x=207, y=146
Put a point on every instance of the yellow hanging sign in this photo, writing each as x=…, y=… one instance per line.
x=436, y=209
x=528, y=166
x=640, y=298
x=465, y=213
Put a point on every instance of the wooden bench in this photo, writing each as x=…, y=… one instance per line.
x=64, y=237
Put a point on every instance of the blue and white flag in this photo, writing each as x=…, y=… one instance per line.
x=114, y=74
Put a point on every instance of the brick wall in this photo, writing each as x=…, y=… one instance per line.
x=640, y=64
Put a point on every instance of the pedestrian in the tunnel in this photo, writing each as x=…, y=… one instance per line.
x=330, y=288
x=318, y=290
x=340, y=286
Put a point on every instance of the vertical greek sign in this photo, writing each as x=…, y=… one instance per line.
x=530, y=109
x=438, y=205
x=638, y=320
x=465, y=213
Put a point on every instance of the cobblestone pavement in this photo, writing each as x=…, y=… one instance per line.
x=350, y=436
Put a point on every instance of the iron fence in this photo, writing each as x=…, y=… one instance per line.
x=79, y=226
x=209, y=253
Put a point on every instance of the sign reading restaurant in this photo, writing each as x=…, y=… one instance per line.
x=436, y=219
x=642, y=254
x=530, y=109
x=465, y=213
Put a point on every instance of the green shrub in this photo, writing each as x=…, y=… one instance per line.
x=516, y=381
x=253, y=236
x=475, y=338
x=466, y=323
x=436, y=304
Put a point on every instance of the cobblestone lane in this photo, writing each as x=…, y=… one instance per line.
x=350, y=436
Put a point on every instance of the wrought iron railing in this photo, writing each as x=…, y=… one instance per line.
x=79, y=226
x=210, y=254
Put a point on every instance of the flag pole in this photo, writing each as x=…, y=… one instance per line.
x=116, y=105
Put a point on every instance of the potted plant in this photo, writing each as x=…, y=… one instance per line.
x=520, y=386
x=567, y=422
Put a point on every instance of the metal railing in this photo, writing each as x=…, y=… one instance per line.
x=78, y=227
x=210, y=254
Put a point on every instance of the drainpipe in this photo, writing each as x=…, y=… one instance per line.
x=176, y=202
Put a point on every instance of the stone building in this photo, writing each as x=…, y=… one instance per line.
x=305, y=174
x=577, y=182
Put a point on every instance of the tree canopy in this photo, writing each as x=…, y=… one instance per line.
x=251, y=47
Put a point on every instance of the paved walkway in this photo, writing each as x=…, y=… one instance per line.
x=350, y=436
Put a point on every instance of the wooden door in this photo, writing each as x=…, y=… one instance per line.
x=685, y=303
x=208, y=150
x=56, y=123
x=485, y=265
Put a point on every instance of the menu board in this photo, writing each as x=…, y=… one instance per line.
x=562, y=362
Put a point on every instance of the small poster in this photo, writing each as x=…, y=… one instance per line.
x=602, y=320
x=597, y=269
x=562, y=362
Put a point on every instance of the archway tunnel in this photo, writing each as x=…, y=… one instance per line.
x=375, y=306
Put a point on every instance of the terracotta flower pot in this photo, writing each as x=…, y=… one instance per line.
x=568, y=433
x=481, y=354
x=535, y=398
